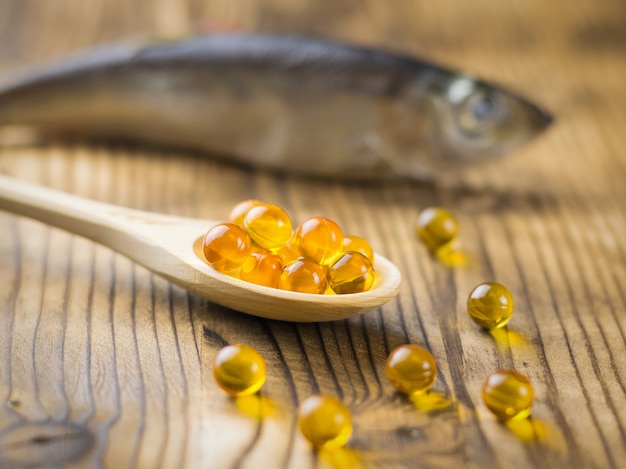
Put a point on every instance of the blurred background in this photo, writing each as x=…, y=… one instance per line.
x=104, y=365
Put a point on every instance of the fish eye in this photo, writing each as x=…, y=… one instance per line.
x=480, y=112
x=482, y=107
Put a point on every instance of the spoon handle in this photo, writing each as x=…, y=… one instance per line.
x=66, y=211
x=111, y=225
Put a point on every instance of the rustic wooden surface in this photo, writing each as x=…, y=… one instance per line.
x=105, y=365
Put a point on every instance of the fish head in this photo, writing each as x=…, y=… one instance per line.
x=478, y=121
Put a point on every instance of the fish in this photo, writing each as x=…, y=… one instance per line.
x=291, y=104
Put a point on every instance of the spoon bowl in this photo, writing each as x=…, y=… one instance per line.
x=170, y=246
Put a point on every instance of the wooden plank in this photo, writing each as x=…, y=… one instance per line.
x=118, y=362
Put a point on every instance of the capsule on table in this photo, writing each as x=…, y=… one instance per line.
x=437, y=228
x=490, y=305
x=325, y=421
x=411, y=369
x=508, y=394
x=239, y=370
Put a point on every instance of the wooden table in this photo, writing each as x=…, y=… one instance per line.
x=103, y=364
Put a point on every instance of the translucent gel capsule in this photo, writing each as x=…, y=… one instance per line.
x=319, y=239
x=289, y=252
x=436, y=227
x=262, y=268
x=351, y=273
x=239, y=370
x=304, y=276
x=239, y=211
x=508, y=394
x=358, y=244
x=325, y=422
x=225, y=247
x=490, y=305
x=268, y=226
x=411, y=369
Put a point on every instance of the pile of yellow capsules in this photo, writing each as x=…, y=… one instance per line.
x=258, y=245
x=326, y=422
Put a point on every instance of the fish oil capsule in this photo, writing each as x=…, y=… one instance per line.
x=304, y=276
x=239, y=370
x=490, y=305
x=325, y=422
x=319, y=239
x=268, y=225
x=358, y=244
x=508, y=394
x=289, y=252
x=239, y=211
x=262, y=268
x=436, y=227
x=411, y=369
x=225, y=247
x=351, y=273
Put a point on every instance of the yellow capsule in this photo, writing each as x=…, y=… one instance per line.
x=304, y=276
x=225, y=247
x=490, y=305
x=325, y=422
x=262, y=268
x=508, y=394
x=351, y=273
x=268, y=225
x=239, y=211
x=319, y=239
x=411, y=369
x=358, y=244
x=436, y=227
x=239, y=370
x=289, y=252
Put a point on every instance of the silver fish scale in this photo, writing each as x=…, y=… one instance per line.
x=289, y=104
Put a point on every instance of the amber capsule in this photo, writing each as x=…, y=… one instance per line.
x=239, y=370
x=289, y=252
x=225, y=247
x=351, y=273
x=268, y=225
x=508, y=394
x=262, y=268
x=239, y=211
x=304, y=276
x=490, y=305
x=358, y=244
x=411, y=369
x=319, y=239
x=325, y=422
x=436, y=227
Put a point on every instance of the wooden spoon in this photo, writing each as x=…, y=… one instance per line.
x=171, y=247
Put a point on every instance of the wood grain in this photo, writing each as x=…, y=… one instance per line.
x=103, y=364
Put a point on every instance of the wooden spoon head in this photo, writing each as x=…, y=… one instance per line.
x=283, y=305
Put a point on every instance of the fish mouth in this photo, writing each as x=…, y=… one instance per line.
x=540, y=117
x=543, y=117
